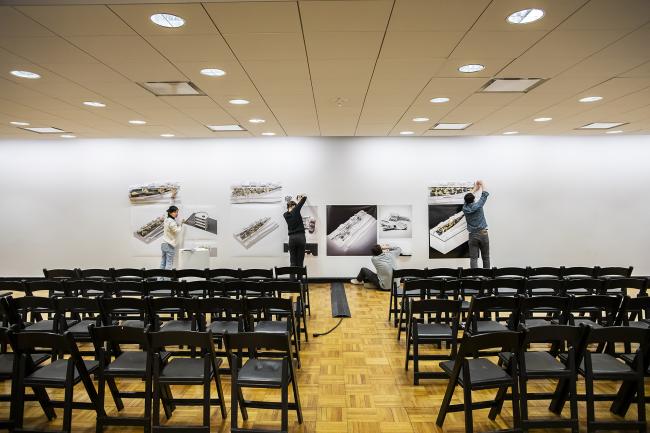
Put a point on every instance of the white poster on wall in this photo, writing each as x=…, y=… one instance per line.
x=154, y=192
x=256, y=230
x=256, y=192
x=200, y=222
x=147, y=229
x=395, y=227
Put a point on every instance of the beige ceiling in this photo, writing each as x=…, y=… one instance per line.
x=323, y=67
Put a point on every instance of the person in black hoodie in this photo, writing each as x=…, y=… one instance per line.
x=296, y=231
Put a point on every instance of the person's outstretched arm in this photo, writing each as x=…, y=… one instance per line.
x=301, y=201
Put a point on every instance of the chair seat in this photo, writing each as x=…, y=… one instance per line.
x=434, y=330
x=629, y=359
x=7, y=363
x=482, y=373
x=604, y=364
x=587, y=322
x=176, y=325
x=55, y=373
x=185, y=370
x=542, y=292
x=464, y=306
x=94, y=293
x=274, y=326
x=532, y=323
x=133, y=323
x=578, y=292
x=45, y=325
x=221, y=327
x=161, y=293
x=642, y=324
x=197, y=293
x=81, y=328
x=261, y=371
x=483, y=326
x=507, y=291
x=131, y=363
x=542, y=362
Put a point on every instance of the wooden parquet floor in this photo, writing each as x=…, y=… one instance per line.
x=351, y=381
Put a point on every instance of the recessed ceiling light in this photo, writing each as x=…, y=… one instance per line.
x=420, y=119
x=20, y=123
x=525, y=16
x=167, y=135
x=257, y=120
x=213, y=72
x=68, y=136
x=26, y=74
x=511, y=132
x=439, y=100
x=137, y=122
x=452, y=126
x=591, y=99
x=95, y=104
x=601, y=125
x=226, y=127
x=406, y=133
x=239, y=101
x=510, y=85
x=268, y=134
x=543, y=119
x=167, y=20
x=45, y=130
x=468, y=69
x=616, y=131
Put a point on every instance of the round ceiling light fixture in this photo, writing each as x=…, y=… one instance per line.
x=213, y=72
x=420, y=119
x=137, y=122
x=406, y=133
x=256, y=120
x=471, y=68
x=525, y=16
x=268, y=134
x=25, y=74
x=95, y=104
x=591, y=99
x=167, y=20
x=511, y=132
x=67, y=136
x=239, y=101
x=543, y=119
x=167, y=135
x=439, y=100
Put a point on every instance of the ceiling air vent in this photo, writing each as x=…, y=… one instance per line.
x=511, y=85
x=45, y=130
x=172, y=88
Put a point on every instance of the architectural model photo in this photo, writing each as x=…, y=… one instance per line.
x=202, y=221
x=255, y=231
x=449, y=192
x=448, y=234
x=152, y=192
x=151, y=230
x=351, y=230
x=395, y=227
x=256, y=192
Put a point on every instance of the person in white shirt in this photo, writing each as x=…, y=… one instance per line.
x=168, y=246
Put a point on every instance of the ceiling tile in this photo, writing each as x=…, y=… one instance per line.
x=435, y=15
x=255, y=17
x=345, y=15
x=78, y=20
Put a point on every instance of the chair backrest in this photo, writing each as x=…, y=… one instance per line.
x=128, y=288
x=496, y=286
x=476, y=273
x=471, y=345
x=279, y=287
x=15, y=286
x=578, y=272
x=544, y=272
x=165, y=288
x=547, y=304
x=29, y=308
x=30, y=342
x=83, y=287
x=572, y=335
x=424, y=306
x=634, y=309
x=443, y=272
x=510, y=272
x=482, y=308
x=640, y=284
x=600, y=307
x=60, y=274
x=300, y=272
x=205, y=287
x=127, y=274
x=190, y=273
x=251, y=342
x=75, y=305
x=116, y=335
x=535, y=286
x=95, y=274
x=154, y=274
x=229, y=306
x=472, y=286
x=613, y=271
x=201, y=340
x=264, y=304
x=49, y=286
x=590, y=285
x=114, y=309
x=399, y=274
x=172, y=304
x=221, y=273
x=256, y=273
x=428, y=288
x=620, y=334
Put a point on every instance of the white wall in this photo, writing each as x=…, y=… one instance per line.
x=554, y=200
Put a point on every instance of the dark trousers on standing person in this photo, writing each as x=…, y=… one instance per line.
x=367, y=276
x=479, y=241
x=297, y=249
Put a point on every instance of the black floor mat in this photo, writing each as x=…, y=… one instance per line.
x=340, y=306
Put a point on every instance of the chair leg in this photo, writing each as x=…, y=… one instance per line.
x=155, y=415
x=115, y=393
x=516, y=414
x=640, y=404
x=446, y=400
x=222, y=401
x=573, y=403
x=523, y=385
x=206, y=402
x=101, y=393
x=18, y=395
x=67, y=409
x=296, y=399
x=416, y=360
x=235, y=395
x=284, y=416
x=390, y=304
x=408, y=350
x=591, y=412
x=467, y=406
x=44, y=401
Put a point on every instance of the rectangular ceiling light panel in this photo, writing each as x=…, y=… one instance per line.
x=451, y=126
x=45, y=130
x=225, y=128
x=602, y=125
x=172, y=88
x=517, y=85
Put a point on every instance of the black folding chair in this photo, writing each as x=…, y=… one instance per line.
x=85, y=312
x=608, y=272
x=199, y=288
x=546, y=272
x=127, y=274
x=221, y=316
x=472, y=371
x=60, y=274
x=26, y=314
x=116, y=362
x=159, y=274
x=543, y=287
x=484, y=315
x=596, y=311
x=396, y=292
x=431, y=321
x=417, y=289
x=256, y=274
x=55, y=287
x=87, y=288
x=542, y=311
x=582, y=272
x=295, y=273
x=479, y=273
x=510, y=272
x=504, y=286
x=63, y=373
x=273, y=316
x=620, y=286
x=581, y=286
x=222, y=274
x=126, y=312
x=272, y=368
x=197, y=370
x=95, y=274
x=133, y=288
x=164, y=288
x=442, y=273
x=290, y=288
x=190, y=274
x=173, y=314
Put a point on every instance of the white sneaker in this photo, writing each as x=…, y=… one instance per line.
x=355, y=281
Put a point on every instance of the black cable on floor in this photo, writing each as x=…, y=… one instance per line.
x=325, y=333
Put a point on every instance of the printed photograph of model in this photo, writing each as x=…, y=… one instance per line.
x=255, y=231
x=155, y=191
x=151, y=230
x=256, y=192
x=394, y=221
x=449, y=192
x=351, y=230
x=202, y=221
x=448, y=234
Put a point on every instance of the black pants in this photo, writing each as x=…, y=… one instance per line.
x=297, y=249
x=479, y=241
x=367, y=276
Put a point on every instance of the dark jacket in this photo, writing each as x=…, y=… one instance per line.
x=294, y=219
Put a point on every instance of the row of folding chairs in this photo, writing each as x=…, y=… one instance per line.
x=124, y=352
x=437, y=321
x=467, y=288
x=566, y=352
